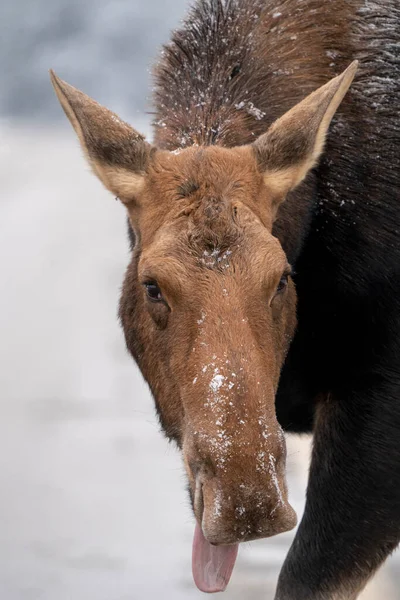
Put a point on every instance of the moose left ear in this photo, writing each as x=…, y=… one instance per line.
x=294, y=143
x=116, y=152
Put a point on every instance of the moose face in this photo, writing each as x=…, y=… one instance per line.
x=208, y=305
x=208, y=310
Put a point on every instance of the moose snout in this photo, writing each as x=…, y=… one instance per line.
x=235, y=453
x=243, y=513
x=240, y=503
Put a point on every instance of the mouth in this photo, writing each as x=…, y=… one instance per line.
x=215, y=547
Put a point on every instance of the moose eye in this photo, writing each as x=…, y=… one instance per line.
x=282, y=283
x=153, y=291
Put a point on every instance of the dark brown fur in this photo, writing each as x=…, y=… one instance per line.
x=236, y=52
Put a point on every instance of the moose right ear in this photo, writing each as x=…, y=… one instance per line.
x=294, y=143
x=117, y=153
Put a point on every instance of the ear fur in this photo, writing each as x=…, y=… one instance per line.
x=294, y=143
x=116, y=152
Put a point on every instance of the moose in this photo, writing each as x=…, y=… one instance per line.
x=263, y=291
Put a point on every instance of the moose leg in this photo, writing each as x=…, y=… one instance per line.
x=352, y=516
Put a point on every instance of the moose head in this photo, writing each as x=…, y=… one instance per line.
x=208, y=305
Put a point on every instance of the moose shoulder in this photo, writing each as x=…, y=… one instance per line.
x=262, y=290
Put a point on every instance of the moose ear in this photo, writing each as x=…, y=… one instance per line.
x=294, y=143
x=117, y=153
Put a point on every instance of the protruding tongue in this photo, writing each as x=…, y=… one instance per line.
x=212, y=566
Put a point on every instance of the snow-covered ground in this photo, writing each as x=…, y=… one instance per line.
x=93, y=502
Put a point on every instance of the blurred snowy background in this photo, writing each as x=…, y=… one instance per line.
x=92, y=502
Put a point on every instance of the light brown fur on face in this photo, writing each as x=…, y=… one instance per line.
x=213, y=344
x=218, y=266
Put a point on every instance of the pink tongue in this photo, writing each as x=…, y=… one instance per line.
x=212, y=566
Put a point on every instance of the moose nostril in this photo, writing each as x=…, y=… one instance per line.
x=194, y=467
x=203, y=466
x=199, y=499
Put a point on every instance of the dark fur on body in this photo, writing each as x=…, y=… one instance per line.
x=340, y=231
